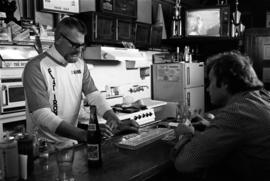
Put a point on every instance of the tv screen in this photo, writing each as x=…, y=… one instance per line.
x=203, y=22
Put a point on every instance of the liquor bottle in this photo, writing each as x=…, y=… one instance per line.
x=177, y=57
x=187, y=55
x=94, y=140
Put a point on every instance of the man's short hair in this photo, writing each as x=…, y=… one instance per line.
x=70, y=23
x=235, y=70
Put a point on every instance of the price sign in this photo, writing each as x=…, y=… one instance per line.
x=70, y=6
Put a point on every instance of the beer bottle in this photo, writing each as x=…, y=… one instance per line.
x=93, y=140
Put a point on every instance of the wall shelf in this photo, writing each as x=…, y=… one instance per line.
x=203, y=47
x=200, y=40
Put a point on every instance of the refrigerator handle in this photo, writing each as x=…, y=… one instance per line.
x=188, y=99
x=188, y=75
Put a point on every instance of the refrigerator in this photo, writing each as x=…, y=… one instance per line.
x=177, y=83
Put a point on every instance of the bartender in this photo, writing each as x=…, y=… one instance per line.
x=54, y=82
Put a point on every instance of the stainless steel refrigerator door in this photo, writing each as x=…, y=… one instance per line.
x=195, y=99
x=170, y=80
x=194, y=74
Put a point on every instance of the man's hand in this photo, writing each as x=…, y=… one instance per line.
x=116, y=125
x=113, y=124
x=112, y=119
x=127, y=125
x=106, y=131
x=200, y=123
x=184, y=129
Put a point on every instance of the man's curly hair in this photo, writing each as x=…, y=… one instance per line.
x=235, y=70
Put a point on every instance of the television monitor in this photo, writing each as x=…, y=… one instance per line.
x=17, y=52
x=208, y=22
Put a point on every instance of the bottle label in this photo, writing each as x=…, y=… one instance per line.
x=92, y=127
x=93, y=152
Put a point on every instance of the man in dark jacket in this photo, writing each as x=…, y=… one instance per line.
x=236, y=145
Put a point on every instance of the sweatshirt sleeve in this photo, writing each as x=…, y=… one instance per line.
x=46, y=119
x=95, y=98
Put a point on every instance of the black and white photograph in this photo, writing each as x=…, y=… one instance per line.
x=134, y=90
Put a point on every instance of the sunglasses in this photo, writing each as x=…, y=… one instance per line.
x=73, y=44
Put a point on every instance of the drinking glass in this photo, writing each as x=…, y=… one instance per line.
x=183, y=114
x=64, y=158
x=43, y=153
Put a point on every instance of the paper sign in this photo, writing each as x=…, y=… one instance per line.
x=71, y=6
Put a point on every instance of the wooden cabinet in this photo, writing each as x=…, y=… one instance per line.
x=107, y=28
x=102, y=28
x=125, y=29
x=126, y=8
x=257, y=47
x=144, y=11
x=142, y=35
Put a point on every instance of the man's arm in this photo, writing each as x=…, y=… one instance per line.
x=210, y=147
x=48, y=121
x=69, y=131
x=112, y=119
x=94, y=97
x=107, y=113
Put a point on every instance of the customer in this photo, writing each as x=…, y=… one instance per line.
x=54, y=82
x=236, y=145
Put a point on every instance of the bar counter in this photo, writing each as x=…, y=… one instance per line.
x=118, y=164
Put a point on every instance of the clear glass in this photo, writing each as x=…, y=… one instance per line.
x=43, y=152
x=64, y=158
x=183, y=113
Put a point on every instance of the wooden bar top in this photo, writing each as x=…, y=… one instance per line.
x=118, y=164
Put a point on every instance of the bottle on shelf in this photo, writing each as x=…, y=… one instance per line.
x=187, y=55
x=177, y=21
x=222, y=2
x=93, y=140
x=177, y=54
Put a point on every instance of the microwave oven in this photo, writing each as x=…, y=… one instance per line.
x=12, y=98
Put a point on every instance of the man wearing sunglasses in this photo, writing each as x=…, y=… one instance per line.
x=54, y=82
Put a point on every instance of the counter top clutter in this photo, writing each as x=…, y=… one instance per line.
x=117, y=163
x=25, y=157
